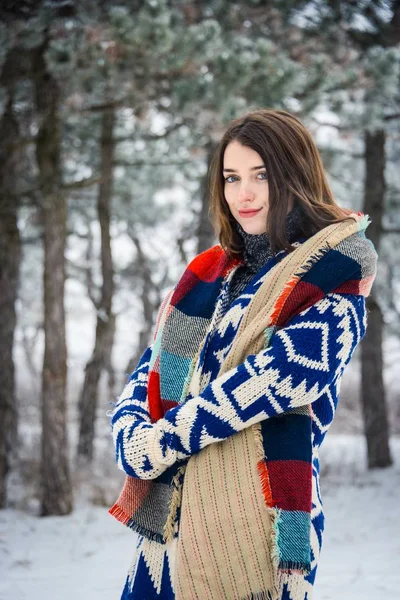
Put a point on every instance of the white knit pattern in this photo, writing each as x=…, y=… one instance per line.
x=302, y=365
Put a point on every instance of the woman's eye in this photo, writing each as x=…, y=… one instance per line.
x=227, y=178
x=263, y=178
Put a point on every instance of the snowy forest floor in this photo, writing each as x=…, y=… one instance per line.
x=86, y=555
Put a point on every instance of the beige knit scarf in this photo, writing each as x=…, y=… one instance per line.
x=227, y=538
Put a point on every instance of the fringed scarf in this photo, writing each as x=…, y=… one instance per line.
x=282, y=511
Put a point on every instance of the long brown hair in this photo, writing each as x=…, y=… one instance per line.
x=294, y=170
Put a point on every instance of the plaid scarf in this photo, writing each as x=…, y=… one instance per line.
x=322, y=264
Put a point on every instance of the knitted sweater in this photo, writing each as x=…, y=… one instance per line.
x=303, y=365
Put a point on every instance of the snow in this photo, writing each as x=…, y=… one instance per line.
x=86, y=555
x=360, y=553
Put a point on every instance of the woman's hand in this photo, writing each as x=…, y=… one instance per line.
x=141, y=446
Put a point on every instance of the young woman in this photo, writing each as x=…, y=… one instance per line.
x=219, y=427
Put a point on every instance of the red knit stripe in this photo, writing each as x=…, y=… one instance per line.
x=348, y=287
x=153, y=394
x=291, y=481
x=304, y=295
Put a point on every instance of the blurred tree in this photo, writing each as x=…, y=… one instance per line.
x=105, y=318
x=204, y=233
x=10, y=252
x=56, y=491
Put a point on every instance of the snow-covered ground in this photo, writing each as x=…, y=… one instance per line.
x=86, y=555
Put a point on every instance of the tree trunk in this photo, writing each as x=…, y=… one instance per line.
x=373, y=396
x=89, y=394
x=10, y=254
x=144, y=270
x=55, y=477
x=108, y=366
x=205, y=232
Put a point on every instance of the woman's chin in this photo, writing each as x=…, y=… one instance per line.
x=253, y=228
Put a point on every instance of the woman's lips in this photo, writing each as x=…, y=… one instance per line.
x=246, y=214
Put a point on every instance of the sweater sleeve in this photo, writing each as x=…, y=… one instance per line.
x=136, y=439
x=301, y=362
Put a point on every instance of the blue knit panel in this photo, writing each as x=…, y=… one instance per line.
x=287, y=437
x=200, y=301
x=293, y=526
x=174, y=371
x=330, y=269
x=143, y=587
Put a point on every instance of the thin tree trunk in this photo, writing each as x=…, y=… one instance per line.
x=10, y=255
x=148, y=306
x=108, y=366
x=55, y=476
x=205, y=232
x=89, y=394
x=373, y=395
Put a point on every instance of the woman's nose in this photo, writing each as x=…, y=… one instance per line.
x=245, y=192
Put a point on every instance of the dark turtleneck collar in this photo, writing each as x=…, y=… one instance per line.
x=256, y=247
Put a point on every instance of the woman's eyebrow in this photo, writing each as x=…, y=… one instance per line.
x=252, y=169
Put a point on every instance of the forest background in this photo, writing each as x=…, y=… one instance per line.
x=109, y=115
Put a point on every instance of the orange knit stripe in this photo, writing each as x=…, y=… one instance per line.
x=264, y=479
x=117, y=512
x=283, y=296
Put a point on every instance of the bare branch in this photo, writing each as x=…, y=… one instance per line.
x=392, y=117
x=182, y=251
x=82, y=183
x=333, y=125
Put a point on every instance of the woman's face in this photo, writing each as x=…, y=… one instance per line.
x=246, y=187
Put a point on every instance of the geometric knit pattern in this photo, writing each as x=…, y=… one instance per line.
x=323, y=348
x=302, y=366
x=305, y=343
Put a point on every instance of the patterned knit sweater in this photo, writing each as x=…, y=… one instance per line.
x=303, y=365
